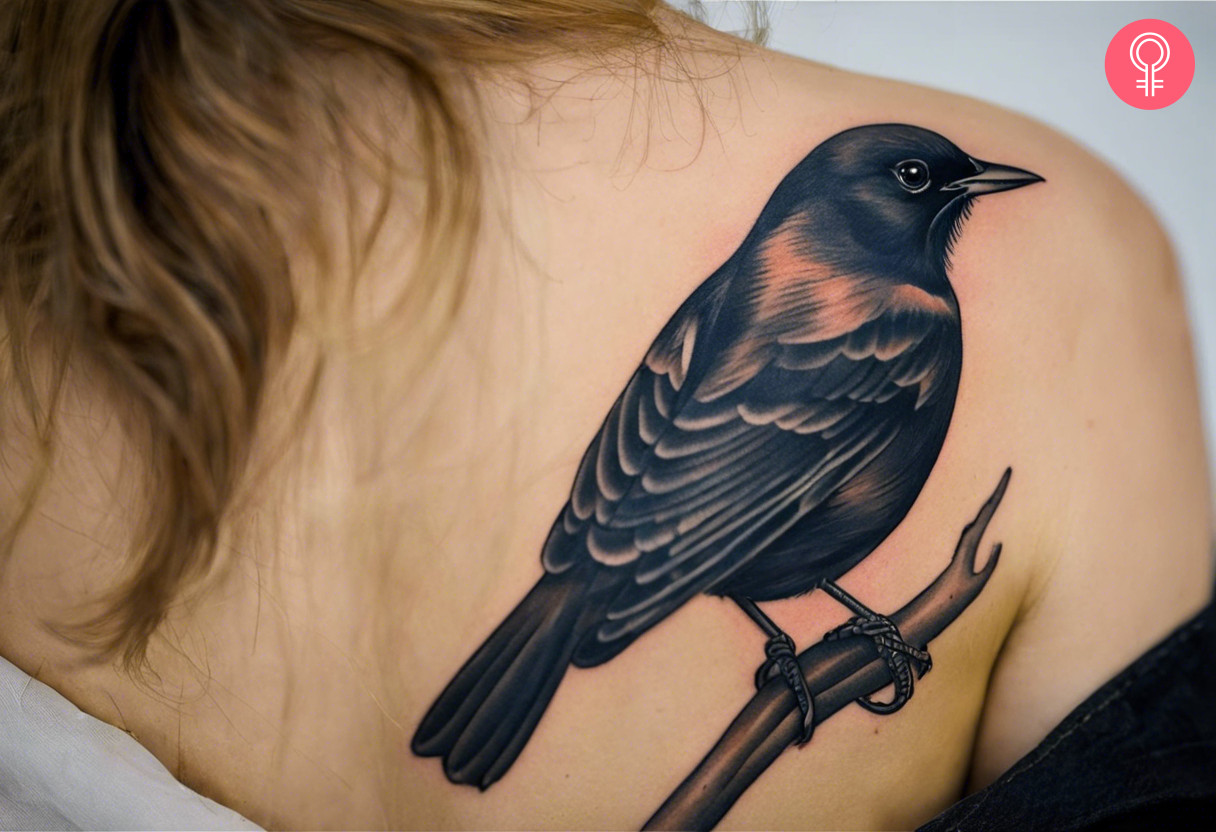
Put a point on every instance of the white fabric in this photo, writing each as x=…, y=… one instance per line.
x=62, y=769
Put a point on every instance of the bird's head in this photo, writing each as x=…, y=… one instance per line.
x=895, y=193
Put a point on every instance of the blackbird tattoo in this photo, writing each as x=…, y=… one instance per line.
x=779, y=428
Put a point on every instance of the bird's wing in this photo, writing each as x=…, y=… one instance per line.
x=710, y=453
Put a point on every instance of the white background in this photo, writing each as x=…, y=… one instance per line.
x=1046, y=59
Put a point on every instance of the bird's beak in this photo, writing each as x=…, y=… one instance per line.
x=991, y=178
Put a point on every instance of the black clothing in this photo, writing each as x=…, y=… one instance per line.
x=1139, y=754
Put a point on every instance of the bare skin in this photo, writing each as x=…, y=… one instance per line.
x=1077, y=373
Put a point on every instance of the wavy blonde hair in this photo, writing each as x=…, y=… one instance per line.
x=152, y=170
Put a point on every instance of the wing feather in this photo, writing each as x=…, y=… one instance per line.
x=713, y=450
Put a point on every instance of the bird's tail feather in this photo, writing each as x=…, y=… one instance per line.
x=484, y=717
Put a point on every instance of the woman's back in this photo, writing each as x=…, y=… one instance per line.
x=409, y=515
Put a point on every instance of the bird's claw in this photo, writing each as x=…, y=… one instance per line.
x=781, y=660
x=901, y=658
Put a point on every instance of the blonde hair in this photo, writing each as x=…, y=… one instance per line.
x=152, y=166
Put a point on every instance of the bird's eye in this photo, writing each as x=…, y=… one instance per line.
x=913, y=175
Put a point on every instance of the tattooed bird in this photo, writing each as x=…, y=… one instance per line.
x=781, y=425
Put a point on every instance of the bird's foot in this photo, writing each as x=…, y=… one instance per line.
x=901, y=658
x=783, y=661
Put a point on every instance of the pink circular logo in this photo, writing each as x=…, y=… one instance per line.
x=1149, y=64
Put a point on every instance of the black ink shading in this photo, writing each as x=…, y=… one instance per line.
x=781, y=426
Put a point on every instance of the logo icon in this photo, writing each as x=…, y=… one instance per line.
x=1149, y=64
x=1150, y=83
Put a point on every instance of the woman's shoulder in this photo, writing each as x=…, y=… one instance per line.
x=1079, y=370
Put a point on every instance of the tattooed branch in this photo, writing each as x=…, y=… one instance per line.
x=836, y=673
